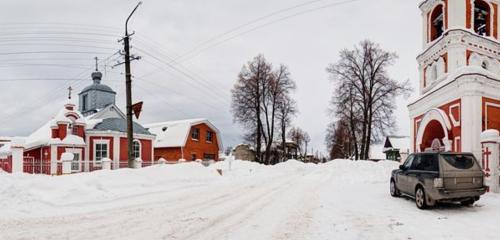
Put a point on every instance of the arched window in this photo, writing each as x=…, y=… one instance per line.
x=482, y=18
x=437, y=22
x=136, y=149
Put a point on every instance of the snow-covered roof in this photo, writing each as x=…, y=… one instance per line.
x=176, y=133
x=401, y=143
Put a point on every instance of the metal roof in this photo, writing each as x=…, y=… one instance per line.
x=119, y=125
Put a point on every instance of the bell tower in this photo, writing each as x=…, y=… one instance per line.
x=459, y=75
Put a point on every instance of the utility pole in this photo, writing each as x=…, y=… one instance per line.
x=128, y=83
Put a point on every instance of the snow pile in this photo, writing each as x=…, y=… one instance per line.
x=340, y=199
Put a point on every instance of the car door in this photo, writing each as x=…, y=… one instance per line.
x=423, y=170
x=403, y=178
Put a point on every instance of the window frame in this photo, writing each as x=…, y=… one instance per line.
x=101, y=142
x=211, y=135
x=139, y=152
x=195, y=134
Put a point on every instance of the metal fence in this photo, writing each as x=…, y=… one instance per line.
x=36, y=166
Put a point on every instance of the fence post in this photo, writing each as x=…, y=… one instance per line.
x=106, y=164
x=17, y=147
x=67, y=160
x=490, y=141
x=137, y=163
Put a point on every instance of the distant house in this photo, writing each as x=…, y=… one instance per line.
x=244, y=152
x=190, y=139
x=397, y=148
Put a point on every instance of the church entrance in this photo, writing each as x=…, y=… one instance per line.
x=433, y=136
x=434, y=132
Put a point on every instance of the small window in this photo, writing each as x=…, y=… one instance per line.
x=136, y=149
x=74, y=130
x=437, y=22
x=408, y=161
x=193, y=157
x=209, y=136
x=195, y=134
x=482, y=18
x=460, y=161
x=101, y=151
x=84, y=102
x=426, y=162
x=208, y=156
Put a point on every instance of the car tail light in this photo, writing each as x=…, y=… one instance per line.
x=438, y=182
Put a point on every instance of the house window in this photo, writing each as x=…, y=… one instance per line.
x=193, y=157
x=74, y=130
x=101, y=151
x=75, y=164
x=84, y=102
x=482, y=18
x=137, y=149
x=208, y=156
x=209, y=136
x=195, y=134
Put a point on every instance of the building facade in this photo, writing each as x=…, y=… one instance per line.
x=190, y=140
x=93, y=131
x=459, y=95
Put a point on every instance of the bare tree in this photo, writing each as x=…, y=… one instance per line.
x=365, y=93
x=286, y=110
x=301, y=138
x=338, y=140
x=246, y=99
x=260, y=98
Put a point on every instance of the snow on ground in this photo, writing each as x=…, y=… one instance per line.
x=337, y=200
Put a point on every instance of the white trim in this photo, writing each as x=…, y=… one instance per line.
x=440, y=116
x=486, y=105
x=455, y=122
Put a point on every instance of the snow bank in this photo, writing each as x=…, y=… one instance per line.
x=41, y=195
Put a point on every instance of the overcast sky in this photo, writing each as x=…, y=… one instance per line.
x=192, y=52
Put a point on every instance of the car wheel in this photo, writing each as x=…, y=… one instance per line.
x=394, y=189
x=420, y=198
x=468, y=202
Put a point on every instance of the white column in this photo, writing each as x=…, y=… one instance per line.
x=471, y=124
x=53, y=160
x=116, y=152
x=490, y=141
x=17, y=147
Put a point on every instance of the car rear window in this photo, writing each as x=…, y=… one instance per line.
x=460, y=161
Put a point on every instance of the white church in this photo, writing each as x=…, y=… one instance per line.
x=458, y=108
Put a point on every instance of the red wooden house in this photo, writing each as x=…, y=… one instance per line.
x=190, y=140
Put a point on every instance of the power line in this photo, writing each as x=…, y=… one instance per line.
x=186, y=56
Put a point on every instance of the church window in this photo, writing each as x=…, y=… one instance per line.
x=482, y=18
x=84, y=102
x=101, y=151
x=437, y=22
x=136, y=149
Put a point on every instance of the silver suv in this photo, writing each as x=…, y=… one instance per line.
x=432, y=177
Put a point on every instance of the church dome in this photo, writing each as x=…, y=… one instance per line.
x=98, y=87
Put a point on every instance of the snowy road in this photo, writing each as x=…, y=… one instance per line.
x=340, y=200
